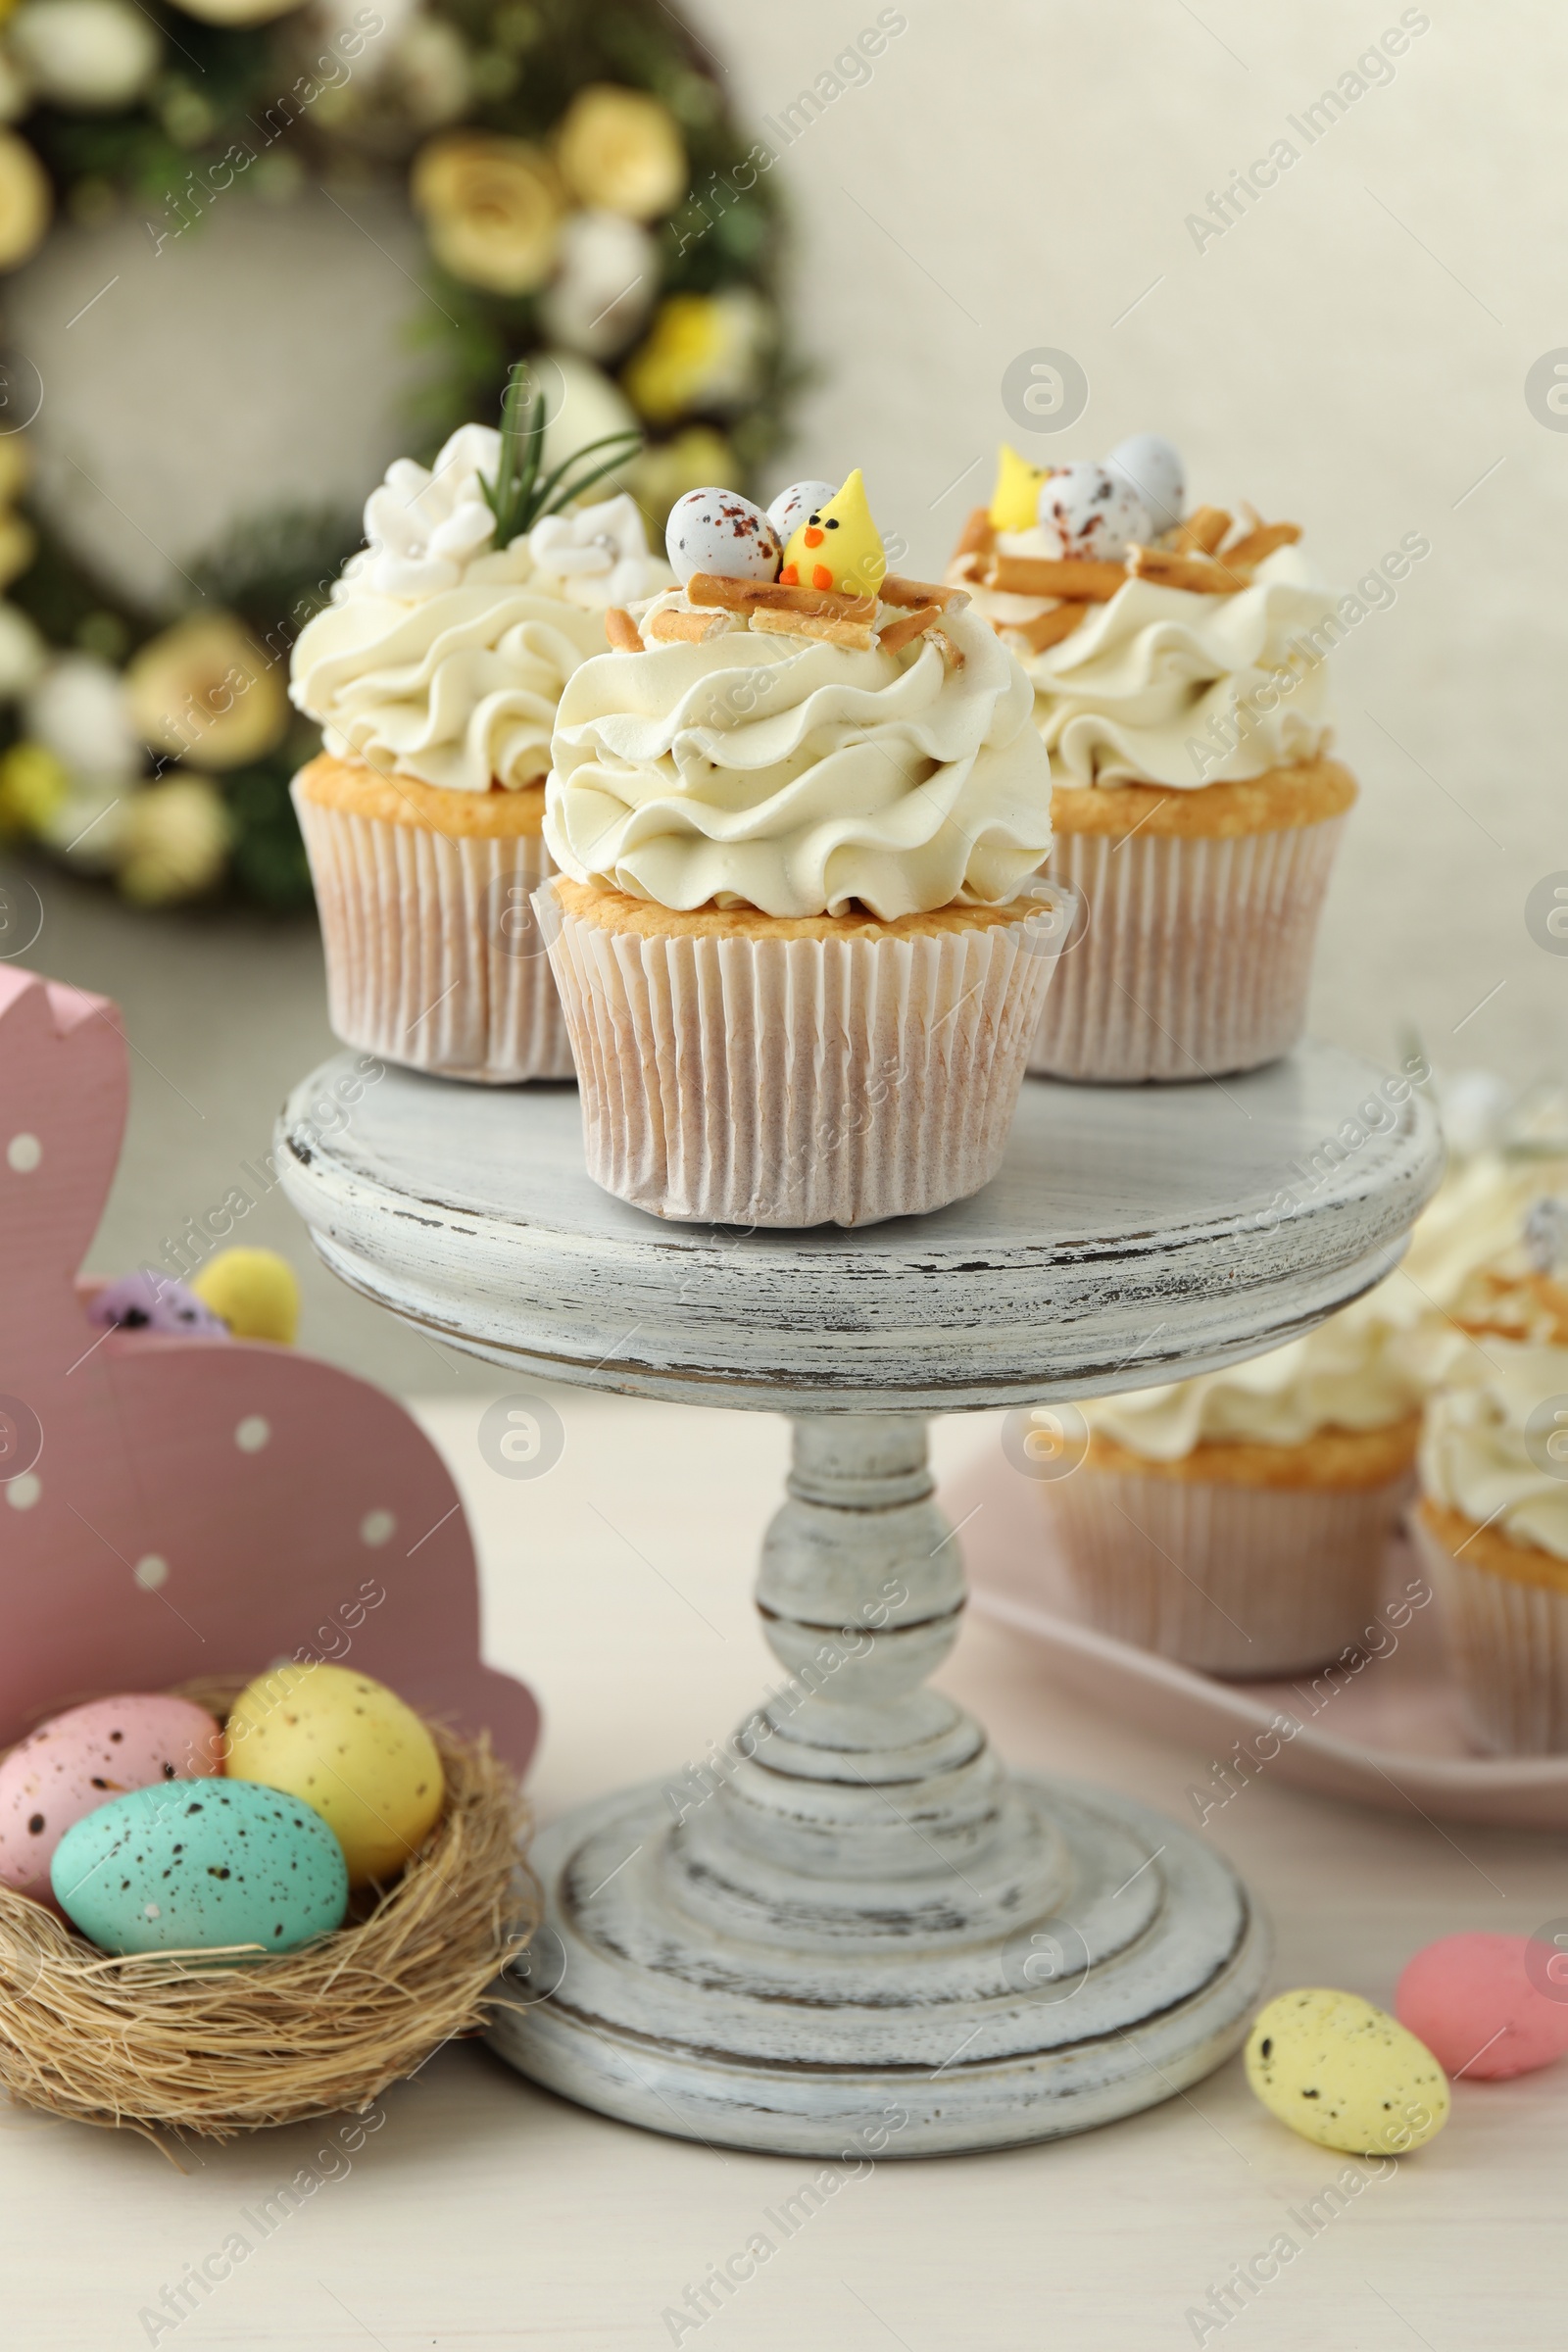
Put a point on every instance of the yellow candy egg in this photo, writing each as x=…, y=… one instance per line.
x=255, y=1292
x=1346, y=2075
x=349, y=1747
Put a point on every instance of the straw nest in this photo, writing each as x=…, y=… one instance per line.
x=155, y=2042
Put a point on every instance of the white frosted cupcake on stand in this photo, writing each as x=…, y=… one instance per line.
x=799, y=817
x=1177, y=662
x=435, y=673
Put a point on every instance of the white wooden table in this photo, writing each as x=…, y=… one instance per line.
x=487, y=2215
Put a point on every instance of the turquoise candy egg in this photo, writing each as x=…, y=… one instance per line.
x=192, y=1864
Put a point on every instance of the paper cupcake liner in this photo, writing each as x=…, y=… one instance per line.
x=432, y=957
x=1507, y=1648
x=1241, y=1580
x=748, y=1080
x=1198, y=953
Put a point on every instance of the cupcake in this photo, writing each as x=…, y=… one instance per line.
x=1177, y=664
x=435, y=673
x=1493, y=1519
x=1237, y=1520
x=799, y=935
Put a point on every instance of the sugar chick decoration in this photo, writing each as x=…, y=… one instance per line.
x=1016, y=499
x=255, y=1292
x=837, y=547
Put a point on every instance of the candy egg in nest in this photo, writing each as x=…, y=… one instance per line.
x=84, y=1759
x=792, y=506
x=1153, y=467
x=1093, y=511
x=721, y=532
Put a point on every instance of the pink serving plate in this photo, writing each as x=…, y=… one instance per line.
x=1388, y=1734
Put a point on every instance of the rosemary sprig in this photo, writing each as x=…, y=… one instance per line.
x=516, y=497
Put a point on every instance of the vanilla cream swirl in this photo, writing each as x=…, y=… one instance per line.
x=1496, y=1449
x=1156, y=671
x=1354, y=1372
x=441, y=656
x=1378, y=1359
x=799, y=778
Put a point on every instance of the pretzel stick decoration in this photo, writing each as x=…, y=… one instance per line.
x=672, y=626
x=857, y=634
x=909, y=626
x=622, y=631
x=1200, y=533
x=1200, y=574
x=1046, y=628
x=1260, y=542
x=1083, y=578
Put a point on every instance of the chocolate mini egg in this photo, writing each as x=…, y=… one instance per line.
x=1153, y=467
x=348, y=1746
x=194, y=1864
x=1345, y=2074
x=792, y=506
x=719, y=531
x=1090, y=510
x=84, y=1759
x=1486, y=2006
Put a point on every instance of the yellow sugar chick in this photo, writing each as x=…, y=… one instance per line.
x=838, y=546
x=1016, y=499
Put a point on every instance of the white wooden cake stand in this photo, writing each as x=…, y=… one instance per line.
x=867, y=1933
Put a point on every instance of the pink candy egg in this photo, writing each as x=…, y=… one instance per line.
x=86, y=1758
x=1486, y=2006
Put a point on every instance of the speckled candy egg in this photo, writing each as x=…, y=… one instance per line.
x=719, y=531
x=1346, y=2075
x=196, y=1864
x=154, y=1302
x=792, y=506
x=1153, y=467
x=350, y=1747
x=1488, y=2006
x=84, y=1759
x=1090, y=510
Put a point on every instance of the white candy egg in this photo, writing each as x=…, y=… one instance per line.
x=1088, y=509
x=1153, y=467
x=719, y=531
x=792, y=506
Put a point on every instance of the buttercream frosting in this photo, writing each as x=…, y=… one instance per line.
x=1353, y=1372
x=1156, y=670
x=442, y=657
x=1375, y=1361
x=1494, y=1449
x=799, y=776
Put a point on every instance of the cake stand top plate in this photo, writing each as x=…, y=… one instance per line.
x=1133, y=1233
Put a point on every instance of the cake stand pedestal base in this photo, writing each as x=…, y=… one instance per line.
x=848, y=1932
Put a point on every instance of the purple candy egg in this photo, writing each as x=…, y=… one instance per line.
x=154, y=1302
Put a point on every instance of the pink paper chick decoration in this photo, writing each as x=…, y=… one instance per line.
x=174, y=1504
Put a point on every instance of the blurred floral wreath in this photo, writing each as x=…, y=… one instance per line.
x=585, y=200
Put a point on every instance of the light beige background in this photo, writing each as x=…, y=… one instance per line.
x=1352, y=353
